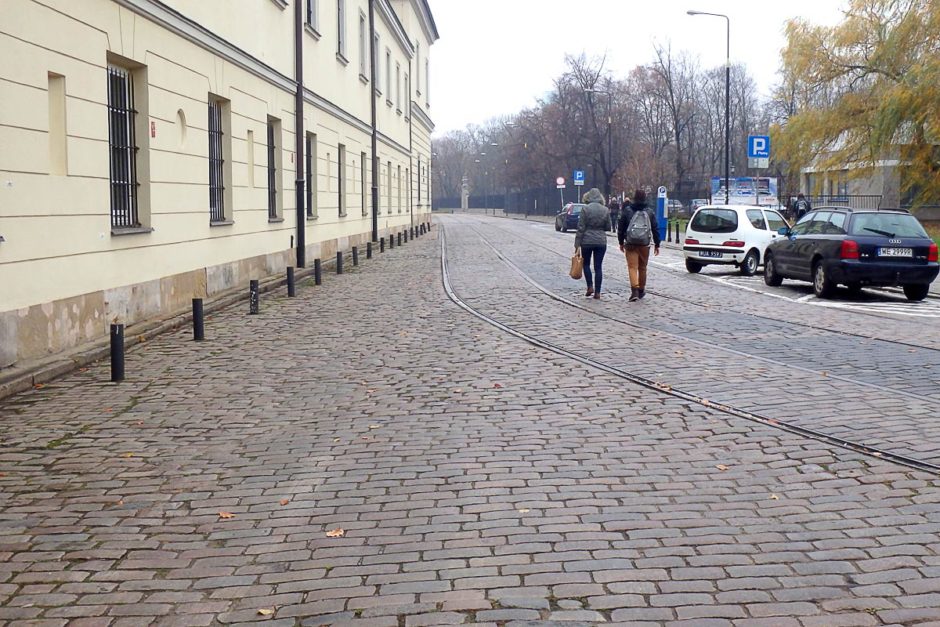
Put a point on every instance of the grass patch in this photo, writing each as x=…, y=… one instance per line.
x=933, y=230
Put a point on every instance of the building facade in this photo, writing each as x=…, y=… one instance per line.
x=148, y=150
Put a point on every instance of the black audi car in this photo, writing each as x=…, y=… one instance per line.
x=833, y=246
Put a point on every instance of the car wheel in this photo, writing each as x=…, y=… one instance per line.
x=693, y=266
x=771, y=277
x=564, y=228
x=750, y=263
x=557, y=228
x=823, y=286
x=916, y=292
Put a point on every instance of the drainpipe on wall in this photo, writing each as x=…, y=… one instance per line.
x=299, y=134
x=375, y=151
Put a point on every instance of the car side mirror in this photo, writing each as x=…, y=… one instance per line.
x=783, y=230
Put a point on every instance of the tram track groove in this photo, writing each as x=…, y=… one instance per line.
x=640, y=380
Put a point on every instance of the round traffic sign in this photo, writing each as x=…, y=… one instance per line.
x=560, y=180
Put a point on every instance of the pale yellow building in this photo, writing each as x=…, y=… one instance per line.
x=147, y=150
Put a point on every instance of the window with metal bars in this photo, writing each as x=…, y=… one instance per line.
x=123, y=148
x=272, y=171
x=341, y=178
x=216, y=163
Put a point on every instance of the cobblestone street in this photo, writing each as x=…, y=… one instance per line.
x=478, y=478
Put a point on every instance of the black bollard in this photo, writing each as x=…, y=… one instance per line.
x=117, y=352
x=368, y=250
x=669, y=231
x=199, y=325
x=391, y=241
x=399, y=238
x=678, y=240
x=253, y=296
x=317, y=272
x=381, y=244
x=355, y=255
x=291, y=287
x=339, y=262
x=411, y=232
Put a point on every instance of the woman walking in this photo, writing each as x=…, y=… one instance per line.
x=591, y=238
x=636, y=229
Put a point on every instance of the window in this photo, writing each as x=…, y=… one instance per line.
x=398, y=87
x=715, y=221
x=399, y=189
x=313, y=15
x=388, y=179
x=388, y=76
x=407, y=97
x=427, y=82
x=275, y=201
x=341, y=28
x=418, y=67
x=311, y=167
x=378, y=66
x=341, y=178
x=362, y=170
x=363, y=53
x=217, y=161
x=250, y=146
x=756, y=219
x=819, y=224
x=836, y=224
x=775, y=221
x=58, y=148
x=419, y=180
x=886, y=224
x=123, y=148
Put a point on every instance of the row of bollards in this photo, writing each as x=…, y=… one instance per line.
x=254, y=292
x=669, y=225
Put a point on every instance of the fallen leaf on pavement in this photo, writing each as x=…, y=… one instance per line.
x=497, y=385
x=721, y=467
x=458, y=390
x=226, y=515
x=824, y=373
x=39, y=386
x=127, y=454
x=374, y=426
x=285, y=501
x=336, y=439
x=524, y=510
x=266, y=611
x=339, y=532
x=775, y=497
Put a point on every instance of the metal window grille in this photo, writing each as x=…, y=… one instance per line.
x=216, y=175
x=308, y=163
x=123, y=148
x=272, y=174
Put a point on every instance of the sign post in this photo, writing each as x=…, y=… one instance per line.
x=560, y=184
x=758, y=157
x=662, y=201
x=578, y=180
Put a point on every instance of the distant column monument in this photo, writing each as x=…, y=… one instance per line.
x=464, y=195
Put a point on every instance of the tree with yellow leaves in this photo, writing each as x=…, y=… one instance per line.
x=866, y=90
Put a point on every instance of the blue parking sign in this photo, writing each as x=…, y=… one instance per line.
x=578, y=177
x=758, y=146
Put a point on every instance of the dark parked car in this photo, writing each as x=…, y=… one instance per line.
x=833, y=246
x=568, y=218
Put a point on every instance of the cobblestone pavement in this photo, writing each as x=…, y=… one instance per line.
x=477, y=479
x=873, y=391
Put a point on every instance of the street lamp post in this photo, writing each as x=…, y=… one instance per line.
x=610, y=152
x=727, y=96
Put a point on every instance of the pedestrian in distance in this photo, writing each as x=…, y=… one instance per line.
x=614, y=206
x=636, y=230
x=802, y=206
x=591, y=239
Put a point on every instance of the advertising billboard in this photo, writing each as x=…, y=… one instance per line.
x=746, y=190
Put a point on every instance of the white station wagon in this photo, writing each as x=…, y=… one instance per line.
x=730, y=234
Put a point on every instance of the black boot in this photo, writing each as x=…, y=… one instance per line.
x=634, y=294
x=642, y=292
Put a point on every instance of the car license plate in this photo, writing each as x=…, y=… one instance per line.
x=895, y=252
x=710, y=253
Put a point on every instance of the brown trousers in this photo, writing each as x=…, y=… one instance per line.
x=638, y=257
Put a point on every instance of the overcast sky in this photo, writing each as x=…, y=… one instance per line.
x=496, y=57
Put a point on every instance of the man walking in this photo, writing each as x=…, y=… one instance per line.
x=636, y=229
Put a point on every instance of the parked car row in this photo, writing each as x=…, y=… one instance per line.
x=829, y=246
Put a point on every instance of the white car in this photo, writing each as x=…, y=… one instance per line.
x=730, y=234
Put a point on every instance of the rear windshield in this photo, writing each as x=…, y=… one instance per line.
x=576, y=209
x=715, y=221
x=887, y=225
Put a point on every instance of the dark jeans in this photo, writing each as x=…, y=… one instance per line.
x=597, y=252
